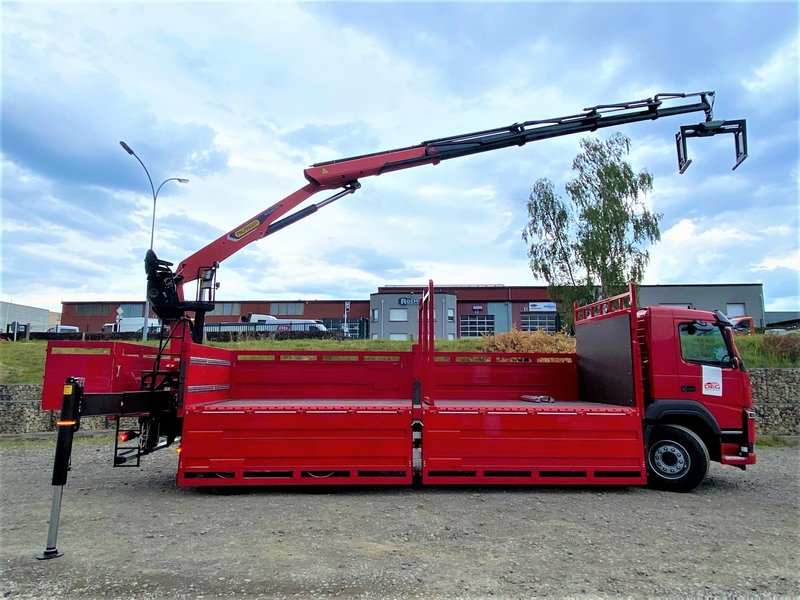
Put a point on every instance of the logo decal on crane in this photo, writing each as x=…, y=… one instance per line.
x=245, y=229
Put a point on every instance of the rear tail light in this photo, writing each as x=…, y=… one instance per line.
x=126, y=436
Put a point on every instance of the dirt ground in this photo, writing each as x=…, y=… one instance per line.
x=131, y=533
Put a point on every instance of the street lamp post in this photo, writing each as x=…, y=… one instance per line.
x=155, y=192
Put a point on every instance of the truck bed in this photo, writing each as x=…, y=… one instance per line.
x=266, y=417
x=289, y=441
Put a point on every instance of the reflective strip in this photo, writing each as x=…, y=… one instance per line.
x=217, y=362
x=213, y=387
x=605, y=414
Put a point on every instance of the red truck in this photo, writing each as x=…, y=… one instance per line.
x=651, y=396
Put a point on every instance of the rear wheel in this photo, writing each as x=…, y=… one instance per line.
x=677, y=459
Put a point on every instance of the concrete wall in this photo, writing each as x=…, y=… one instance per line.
x=776, y=398
x=20, y=413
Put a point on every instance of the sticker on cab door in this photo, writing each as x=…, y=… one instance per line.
x=712, y=381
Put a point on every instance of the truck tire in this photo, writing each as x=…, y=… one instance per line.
x=677, y=459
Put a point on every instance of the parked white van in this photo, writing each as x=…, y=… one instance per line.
x=131, y=324
x=64, y=329
x=273, y=323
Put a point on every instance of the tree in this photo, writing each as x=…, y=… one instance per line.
x=599, y=238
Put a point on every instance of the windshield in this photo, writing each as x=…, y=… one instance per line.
x=705, y=343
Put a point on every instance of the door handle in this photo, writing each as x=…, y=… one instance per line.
x=688, y=388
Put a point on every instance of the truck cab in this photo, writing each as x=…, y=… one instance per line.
x=695, y=386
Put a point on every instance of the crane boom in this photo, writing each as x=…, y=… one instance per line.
x=168, y=296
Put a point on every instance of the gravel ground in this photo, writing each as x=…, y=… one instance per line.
x=131, y=533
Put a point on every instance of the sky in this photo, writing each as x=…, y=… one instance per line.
x=240, y=98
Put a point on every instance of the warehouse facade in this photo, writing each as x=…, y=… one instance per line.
x=735, y=300
x=460, y=310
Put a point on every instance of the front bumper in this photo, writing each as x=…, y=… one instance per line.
x=742, y=452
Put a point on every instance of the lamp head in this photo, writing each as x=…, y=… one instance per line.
x=126, y=147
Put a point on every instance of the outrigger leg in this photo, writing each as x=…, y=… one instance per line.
x=68, y=424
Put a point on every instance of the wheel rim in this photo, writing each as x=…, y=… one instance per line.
x=670, y=460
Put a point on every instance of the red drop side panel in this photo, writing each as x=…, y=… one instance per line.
x=487, y=442
x=291, y=442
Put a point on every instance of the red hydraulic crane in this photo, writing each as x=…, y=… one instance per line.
x=166, y=289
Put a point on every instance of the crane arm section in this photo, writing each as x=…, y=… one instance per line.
x=344, y=174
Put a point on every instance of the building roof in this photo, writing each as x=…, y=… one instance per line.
x=773, y=317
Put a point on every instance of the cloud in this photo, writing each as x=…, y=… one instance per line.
x=242, y=97
x=353, y=138
x=720, y=250
x=79, y=149
x=790, y=261
x=777, y=73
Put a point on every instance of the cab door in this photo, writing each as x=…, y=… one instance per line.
x=708, y=373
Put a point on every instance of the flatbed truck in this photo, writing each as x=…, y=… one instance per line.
x=652, y=395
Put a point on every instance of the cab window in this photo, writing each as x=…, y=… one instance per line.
x=703, y=343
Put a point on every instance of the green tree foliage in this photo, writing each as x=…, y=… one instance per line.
x=597, y=239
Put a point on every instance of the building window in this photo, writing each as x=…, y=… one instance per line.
x=398, y=337
x=93, y=310
x=132, y=310
x=376, y=315
x=451, y=315
x=398, y=315
x=735, y=309
x=286, y=308
x=477, y=325
x=538, y=320
x=226, y=308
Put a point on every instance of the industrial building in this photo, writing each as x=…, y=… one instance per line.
x=735, y=300
x=91, y=316
x=461, y=310
x=471, y=310
x=26, y=318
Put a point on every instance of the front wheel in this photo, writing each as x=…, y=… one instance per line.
x=677, y=459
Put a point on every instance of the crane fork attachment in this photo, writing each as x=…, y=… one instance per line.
x=737, y=127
